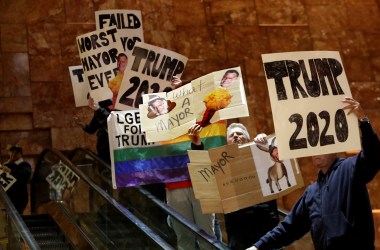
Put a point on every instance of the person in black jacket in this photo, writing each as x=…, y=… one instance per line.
x=336, y=209
x=22, y=171
x=245, y=226
x=98, y=125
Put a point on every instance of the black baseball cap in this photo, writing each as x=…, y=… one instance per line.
x=16, y=148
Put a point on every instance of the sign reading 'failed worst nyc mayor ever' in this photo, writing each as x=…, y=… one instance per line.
x=306, y=90
x=98, y=51
x=130, y=30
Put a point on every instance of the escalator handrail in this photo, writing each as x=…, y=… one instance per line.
x=194, y=228
x=72, y=221
x=151, y=234
x=19, y=223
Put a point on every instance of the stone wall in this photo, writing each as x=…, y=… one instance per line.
x=38, y=44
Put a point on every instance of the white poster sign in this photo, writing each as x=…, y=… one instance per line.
x=128, y=23
x=6, y=180
x=208, y=99
x=80, y=87
x=150, y=69
x=306, y=90
x=62, y=177
x=165, y=117
x=98, y=52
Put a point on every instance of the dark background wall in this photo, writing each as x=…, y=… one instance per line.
x=38, y=45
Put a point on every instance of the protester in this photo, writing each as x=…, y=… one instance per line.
x=180, y=196
x=336, y=209
x=98, y=125
x=22, y=171
x=243, y=227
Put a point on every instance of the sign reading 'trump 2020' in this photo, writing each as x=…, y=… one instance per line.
x=306, y=90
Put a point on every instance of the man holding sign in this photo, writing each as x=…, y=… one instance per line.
x=336, y=208
x=247, y=225
x=21, y=170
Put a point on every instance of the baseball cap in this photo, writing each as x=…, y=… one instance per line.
x=16, y=148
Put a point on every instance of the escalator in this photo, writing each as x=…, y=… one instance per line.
x=93, y=213
x=46, y=232
x=150, y=209
x=86, y=212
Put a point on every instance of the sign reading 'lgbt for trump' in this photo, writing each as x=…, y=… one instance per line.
x=136, y=161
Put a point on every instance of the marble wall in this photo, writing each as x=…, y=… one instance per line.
x=38, y=44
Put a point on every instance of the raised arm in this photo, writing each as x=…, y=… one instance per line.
x=368, y=158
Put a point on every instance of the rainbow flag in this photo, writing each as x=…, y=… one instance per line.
x=137, y=162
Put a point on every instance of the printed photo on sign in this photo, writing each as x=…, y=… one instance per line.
x=164, y=118
x=220, y=95
x=80, y=87
x=306, y=90
x=150, y=70
x=128, y=23
x=103, y=59
x=275, y=175
x=158, y=105
x=7, y=180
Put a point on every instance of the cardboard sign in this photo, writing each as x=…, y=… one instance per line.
x=306, y=90
x=98, y=52
x=135, y=161
x=62, y=177
x=234, y=177
x=216, y=96
x=150, y=69
x=6, y=180
x=80, y=86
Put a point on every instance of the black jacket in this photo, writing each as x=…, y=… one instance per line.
x=336, y=208
x=18, y=192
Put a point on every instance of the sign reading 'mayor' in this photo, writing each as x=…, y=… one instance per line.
x=228, y=178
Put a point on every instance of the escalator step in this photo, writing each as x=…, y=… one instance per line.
x=42, y=230
x=46, y=232
x=50, y=239
x=54, y=245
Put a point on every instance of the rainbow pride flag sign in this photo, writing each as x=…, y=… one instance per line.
x=137, y=162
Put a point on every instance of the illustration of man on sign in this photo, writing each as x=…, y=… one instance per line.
x=219, y=98
x=158, y=105
x=278, y=170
